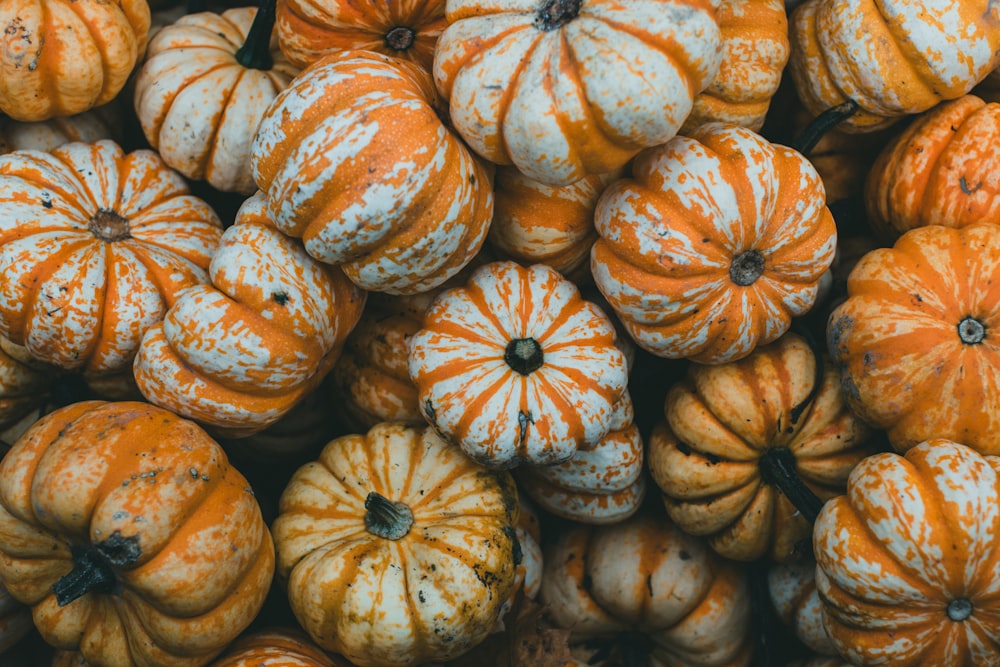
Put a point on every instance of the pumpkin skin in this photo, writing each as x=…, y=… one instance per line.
x=754, y=43
x=900, y=337
x=517, y=367
x=24, y=383
x=713, y=245
x=381, y=598
x=562, y=90
x=199, y=98
x=237, y=354
x=95, y=244
x=892, y=58
x=182, y=580
x=277, y=647
x=939, y=170
x=89, y=126
x=307, y=31
x=393, y=196
x=792, y=588
x=645, y=575
x=726, y=426
x=59, y=57
x=906, y=560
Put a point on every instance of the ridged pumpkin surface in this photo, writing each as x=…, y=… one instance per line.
x=95, y=245
x=277, y=647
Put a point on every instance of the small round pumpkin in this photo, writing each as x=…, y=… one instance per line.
x=517, y=367
x=277, y=647
x=100, y=123
x=130, y=536
x=95, y=245
x=63, y=57
x=355, y=159
x=396, y=548
x=906, y=560
x=713, y=245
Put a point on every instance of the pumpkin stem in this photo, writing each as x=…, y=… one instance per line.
x=971, y=331
x=524, y=355
x=400, y=38
x=256, y=50
x=959, y=609
x=821, y=124
x=746, y=268
x=109, y=226
x=777, y=467
x=554, y=14
x=93, y=567
x=386, y=518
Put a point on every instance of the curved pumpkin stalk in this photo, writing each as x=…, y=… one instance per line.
x=821, y=124
x=256, y=50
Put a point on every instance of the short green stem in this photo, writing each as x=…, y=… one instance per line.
x=256, y=50
x=387, y=519
x=822, y=124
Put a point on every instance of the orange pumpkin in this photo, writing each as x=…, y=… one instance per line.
x=95, y=245
x=915, y=339
x=277, y=647
x=907, y=560
x=939, y=170
x=239, y=353
x=63, y=57
x=516, y=367
x=94, y=125
x=130, y=536
x=713, y=245
x=354, y=160
x=203, y=88
x=562, y=89
x=892, y=58
x=307, y=31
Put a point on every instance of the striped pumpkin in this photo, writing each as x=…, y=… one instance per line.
x=354, y=160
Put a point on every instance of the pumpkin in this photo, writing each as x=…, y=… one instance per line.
x=891, y=58
x=354, y=160
x=24, y=383
x=95, y=245
x=15, y=620
x=307, y=31
x=748, y=450
x=516, y=367
x=914, y=339
x=754, y=44
x=569, y=88
x=906, y=560
x=276, y=647
x=538, y=223
x=792, y=589
x=645, y=576
x=130, y=536
x=203, y=88
x=63, y=57
x=238, y=353
x=713, y=245
x=939, y=170
x=100, y=123
x=396, y=548
x=598, y=485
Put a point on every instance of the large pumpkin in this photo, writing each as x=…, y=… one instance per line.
x=907, y=560
x=893, y=57
x=713, y=245
x=355, y=160
x=562, y=89
x=396, y=548
x=131, y=537
x=95, y=245
x=916, y=338
x=239, y=353
x=62, y=57
x=517, y=367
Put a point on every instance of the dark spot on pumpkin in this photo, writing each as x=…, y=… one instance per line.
x=587, y=582
x=649, y=584
x=683, y=555
x=47, y=203
x=279, y=297
x=420, y=596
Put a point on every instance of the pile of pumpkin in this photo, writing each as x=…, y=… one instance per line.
x=564, y=333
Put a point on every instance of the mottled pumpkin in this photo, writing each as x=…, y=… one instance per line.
x=396, y=548
x=63, y=57
x=939, y=171
x=906, y=560
x=792, y=589
x=516, y=367
x=238, y=353
x=739, y=440
x=307, y=31
x=203, y=88
x=562, y=89
x=44, y=135
x=916, y=339
x=644, y=575
x=892, y=58
x=130, y=536
x=277, y=647
x=713, y=245
x=355, y=160
x=95, y=245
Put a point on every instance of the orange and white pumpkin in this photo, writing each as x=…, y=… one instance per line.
x=44, y=135
x=516, y=367
x=793, y=593
x=95, y=245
